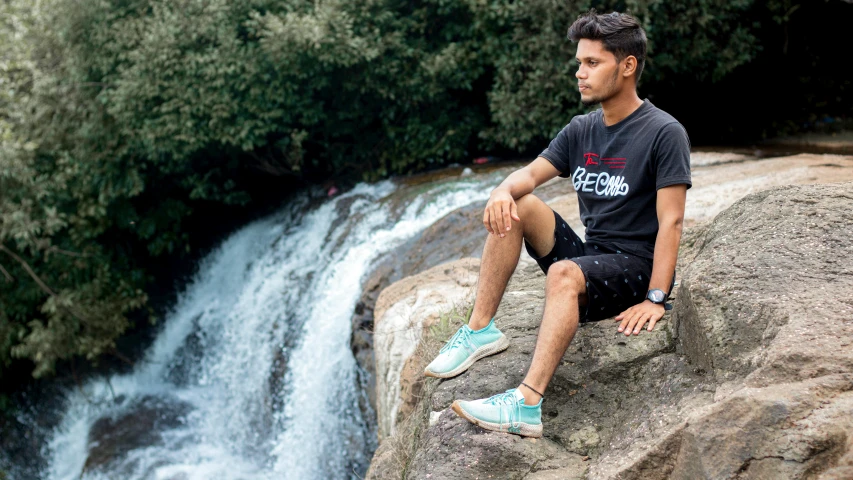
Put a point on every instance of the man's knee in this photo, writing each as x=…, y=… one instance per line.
x=529, y=203
x=537, y=220
x=567, y=276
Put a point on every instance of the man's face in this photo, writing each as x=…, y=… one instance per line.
x=598, y=72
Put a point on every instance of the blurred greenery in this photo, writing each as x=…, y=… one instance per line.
x=122, y=121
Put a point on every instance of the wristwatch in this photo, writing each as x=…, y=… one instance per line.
x=657, y=296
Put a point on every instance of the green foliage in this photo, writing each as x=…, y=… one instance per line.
x=450, y=321
x=62, y=294
x=118, y=118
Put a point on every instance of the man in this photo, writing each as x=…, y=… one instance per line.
x=630, y=165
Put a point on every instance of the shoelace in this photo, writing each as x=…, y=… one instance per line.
x=462, y=337
x=514, y=414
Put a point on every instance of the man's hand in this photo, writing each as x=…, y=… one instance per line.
x=635, y=317
x=501, y=209
x=499, y=212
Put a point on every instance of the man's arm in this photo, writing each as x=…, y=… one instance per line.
x=501, y=207
x=670, y=210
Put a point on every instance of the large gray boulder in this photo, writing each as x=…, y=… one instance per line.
x=766, y=310
x=751, y=377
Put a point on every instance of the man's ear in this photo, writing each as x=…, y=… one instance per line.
x=629, y=66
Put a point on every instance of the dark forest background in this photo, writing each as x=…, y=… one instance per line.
x=135, y=133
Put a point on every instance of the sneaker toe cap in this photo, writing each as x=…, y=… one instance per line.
x=480, y=410
x=446, y=362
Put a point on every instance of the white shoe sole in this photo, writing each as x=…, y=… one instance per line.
x=524, y=429
x=497, y=346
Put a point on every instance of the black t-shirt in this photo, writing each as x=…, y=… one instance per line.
x=617, y=171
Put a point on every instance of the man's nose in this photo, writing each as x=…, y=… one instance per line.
x=581, y=73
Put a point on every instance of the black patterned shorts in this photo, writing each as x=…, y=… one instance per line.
x=614, y=280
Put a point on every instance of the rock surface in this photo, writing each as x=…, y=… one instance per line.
x=751, y=378
x=137, y=425
x=404, y=310
x=766, y=309
x=718, y=184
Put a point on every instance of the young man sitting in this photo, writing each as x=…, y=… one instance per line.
x=629, y=163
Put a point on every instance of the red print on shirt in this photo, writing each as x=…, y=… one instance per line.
x=614, y=162
x=610, y=162
x=589, y=158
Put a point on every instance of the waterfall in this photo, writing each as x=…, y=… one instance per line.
x=251, y=375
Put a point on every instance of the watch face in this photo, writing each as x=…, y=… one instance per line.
x=656, y=295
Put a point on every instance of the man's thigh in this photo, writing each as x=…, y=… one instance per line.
x=614, y=282
x=558, y=243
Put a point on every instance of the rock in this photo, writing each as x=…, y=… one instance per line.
x=137, y=425
x=456, y=449
x=836, y=142
x=752, y=377
x=755, y=315
x=717, y=187
x=746, y=381
x=766, y=309
x=584, y=440
x=385, y=463
x=701, y=159
x=402, y=312
x=776, y=263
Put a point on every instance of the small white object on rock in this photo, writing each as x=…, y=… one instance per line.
x=433, y=417
x=467, y=171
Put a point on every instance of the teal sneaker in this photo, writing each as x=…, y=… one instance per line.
x=466, y=347
x=505, y=412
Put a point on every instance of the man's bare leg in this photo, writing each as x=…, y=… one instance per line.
x=500, y=256
x=565, y=290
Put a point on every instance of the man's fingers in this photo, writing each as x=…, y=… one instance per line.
x=629, y=325
x=654, y=319
x=622, y=315
x=635, y=317
x=652, y=323
x=494, y=220
x=626, y=317
x=514, y=212
x=505, y=218
x=486, y=221
x=642, y=321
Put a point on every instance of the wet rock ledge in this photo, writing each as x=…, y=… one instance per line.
x=750, y=377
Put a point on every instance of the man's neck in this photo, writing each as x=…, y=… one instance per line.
x=619, y=107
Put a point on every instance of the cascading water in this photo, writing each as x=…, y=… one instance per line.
x=252, y=376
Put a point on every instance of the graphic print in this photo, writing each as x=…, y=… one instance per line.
x=601, y=183
x=590, y=158
x=615, y=162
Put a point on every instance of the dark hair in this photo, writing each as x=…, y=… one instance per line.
x=621, y=35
